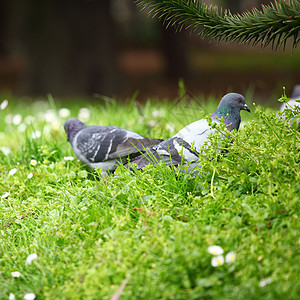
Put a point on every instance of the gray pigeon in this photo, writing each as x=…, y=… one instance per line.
x=187, y=142
x=105, y=146
x=292, y=103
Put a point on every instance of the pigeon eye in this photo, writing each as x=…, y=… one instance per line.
x=240, y=100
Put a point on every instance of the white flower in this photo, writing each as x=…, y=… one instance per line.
x=84, y=114
x=217, y=261
x=15, y=274
x=8, y=119
x=33, y=162
x=22, y=127
x=151, y=123
x=64, y=112
x=50, y=115
x=30, y=175
x=265, y=281
x=29, y=119
x=56, y=125
x=5, y=195
x=29, y=296
x=11, y=296
x=230, y=257
x=69, y=158
x=17, y=119
x=4, y=104
x=215, y=250
x=36, y=134
x=156, y=113
x=12, y=171
x=31, y=258
x=170, y=127
x=6, y=151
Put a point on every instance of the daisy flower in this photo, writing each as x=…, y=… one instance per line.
x=215, y=250
x=29, y=296
x=12, y=171
x=30, y=258
x=217, y=261
x=230, y=257
x=64, y=112
x=84, y=114
x=36, y=134
x=265, y=282
x=11, y=296
x=15, y=274
x=70, y=158
x=33, y=162
x=4, y=104
x=5, y=195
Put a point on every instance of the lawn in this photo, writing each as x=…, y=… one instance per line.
x=68, y=233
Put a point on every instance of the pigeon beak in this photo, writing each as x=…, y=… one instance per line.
x=245, y=107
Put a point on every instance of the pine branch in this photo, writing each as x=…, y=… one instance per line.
x=274, y=24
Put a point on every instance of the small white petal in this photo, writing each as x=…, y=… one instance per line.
x=64, y=112
x=170, y=127
x=11, y=296
x=35, y=135
x=29, y=119
x=84, y=114
x=265, y=281
x=17, y=119
x=4, y=104
x=215, y=250
x=217, y=261
x=12, y=171
x=69, y=158
x=50, y=115
x=151, y=123
x=30, y=175
x=29, y=296
x=56, y=125
x=6, y=151
x=5, y=195
x=31, y=258
x=22, y=127
x=33, y=162
x=8, y=119
x=230, y=257
x=156, y=113
x=15, y=274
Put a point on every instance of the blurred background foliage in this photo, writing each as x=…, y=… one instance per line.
x=110, y=47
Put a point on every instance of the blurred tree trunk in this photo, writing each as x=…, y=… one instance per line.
x=69, y=45
x=174, y=50
x=3, y=47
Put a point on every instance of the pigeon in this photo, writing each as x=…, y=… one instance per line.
x=105, y=146
x=292, y=103
x=187, y=142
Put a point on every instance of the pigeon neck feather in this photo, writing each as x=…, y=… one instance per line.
x=74, y=130
x=231, y=116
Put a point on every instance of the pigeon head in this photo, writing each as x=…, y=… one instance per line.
x=229, y=109
x=235, y=101
x=72, y=126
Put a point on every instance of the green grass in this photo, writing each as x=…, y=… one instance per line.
x=152, y=226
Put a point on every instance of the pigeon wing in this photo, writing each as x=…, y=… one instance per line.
x=133, y=146
x=94, y=143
